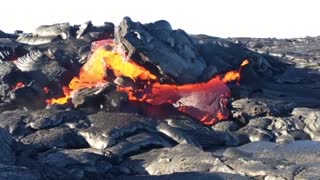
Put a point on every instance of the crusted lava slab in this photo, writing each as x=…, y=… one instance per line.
x=168, y=52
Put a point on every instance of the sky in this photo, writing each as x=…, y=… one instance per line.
x=222, y=18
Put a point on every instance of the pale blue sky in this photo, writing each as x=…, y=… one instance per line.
x=224, y=18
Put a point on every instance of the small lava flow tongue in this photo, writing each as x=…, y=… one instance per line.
x=204, y=101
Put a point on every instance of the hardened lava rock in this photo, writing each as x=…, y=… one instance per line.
x=258, y=159
x=89, y=33
x=48, y=118
x=107, y=128
x=11, y=50
x=63, y=30
x=20, y=123
x=7, y=35
x=124, y=134
x=287, y=161
x=70, y=53
x=311, y=121
x=37, y=66
x=167, y=52
x=9, y=73
x=221, y=55
x=187, y=176
x=32, y=61
x=18, y=172
x=302, y=52
x=58, y=137
x=7, y=148
x=15, y=122
x=181, y=158
x=36, y=40
x=78, y=163
x=93, y=97
x=46, y=34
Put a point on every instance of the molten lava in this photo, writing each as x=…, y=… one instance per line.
x=46, y=90
x=18, y=85
x=204, y=101
x=93, y=72
x=235, y=74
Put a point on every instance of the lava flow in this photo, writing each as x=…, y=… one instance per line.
x=93, y=72
x=204, y=101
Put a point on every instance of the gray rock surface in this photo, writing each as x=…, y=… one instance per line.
x=90, y=33
x=48, y=118
x=226, y=126
x=303, y=52
x=7, y=147
x=188, y=176
x=7, y=72
x=181, y=158
x=106, y=128
x=311, y=119
x=258, y=159
x=36, y=40
x=10, y=50
x=63, y=30
x=17, y=173
x=78, y=163
x=32, y=61
x=15, y=123
x=287, y=161
x=59, y=137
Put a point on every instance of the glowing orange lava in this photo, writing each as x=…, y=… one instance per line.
x=93, y=72
x=235, y=74
x=205, y=101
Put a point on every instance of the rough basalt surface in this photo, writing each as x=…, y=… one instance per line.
x=272, y=133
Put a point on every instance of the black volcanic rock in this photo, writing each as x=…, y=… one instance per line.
x=78, y=163
x=293, y=160
x=7, y=151
x=32, y=61
x=7, y=35
x=187, y=176
x=11, y=50
x=181, y=158
x=15, y=123
x=59, y=137
x=8, y=73
x=168, y=52
x=18, y=172
x=106, y=128
x=221, y=55
x=90, y=33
